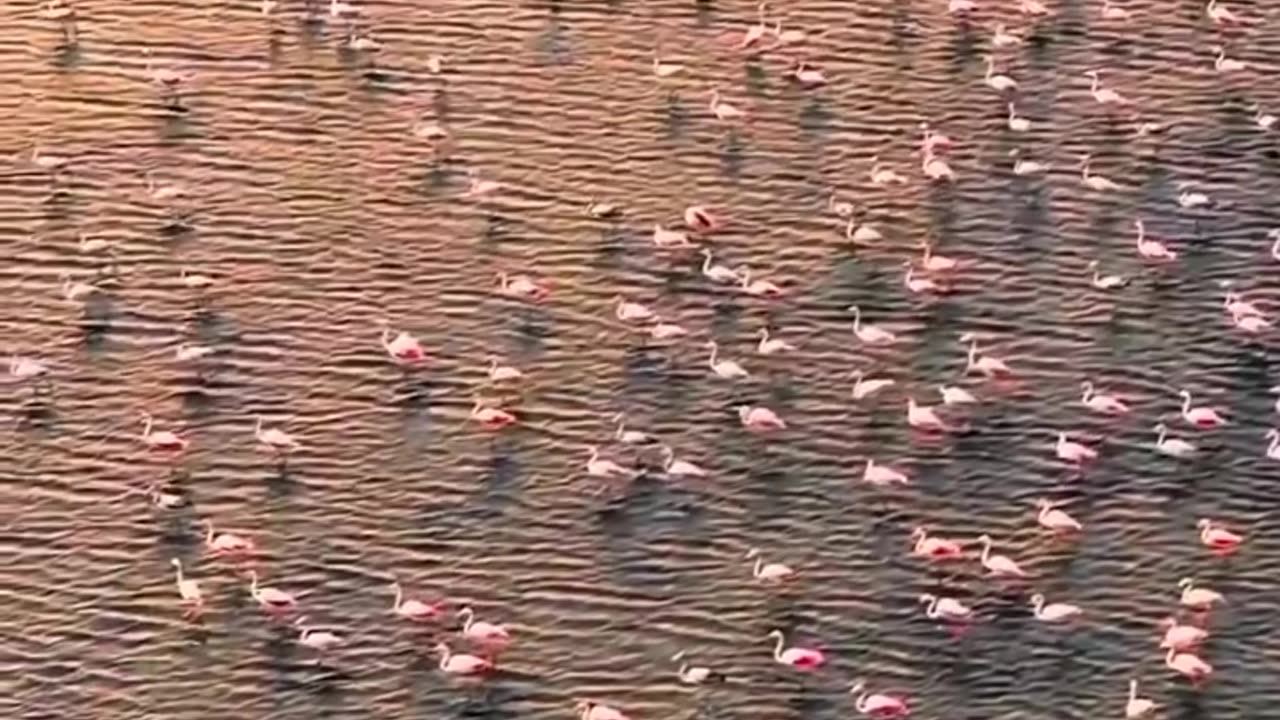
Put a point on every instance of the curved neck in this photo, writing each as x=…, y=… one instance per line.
x=986, y=551
x=208, y=538
x=1038, y=604
x=1133, y=690
x=444, y=656
x=386, y=337
x=399, y=597
x=1275, y=444
x=1160, y=436
x=1094, y=86
x=470, y=618
x=1087, y=392
x=178, y=567
x=973, y=353
x=714, y=350
x=671, y=458
x=777, y=649
x=1186, y=403
x=146, y=428
x=861, y=703
x=932, y=610
x=755, y=572
x=706, y=263
x=857, y=320
x=253, y=585
x=595, y=455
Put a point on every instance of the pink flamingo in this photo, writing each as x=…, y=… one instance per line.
x=800, y=658
x=270, y=598
x=588, y=710
x=758, y=288
x=933, y=142
x=934, y=548
x=870, y=334
x=866, y=387
x=1053, y=612
x=723, y=111
x=415, y=610
x=877, y=704
x=808, y=76
x=404, y=349
x=461, y=663
x=753, y=35
x=1217, y=538
x=1072, y=451
x=988, y=365
x=945, y=608
x=1181, y=637
x=279, y=442
x=935, y=263
x=628, y=311
x=522, y=286
x=760, y=418
x=1189, y=665
x=1198, y=598
x=998, y=565
x=1152, y=249
x=188, y=590
x=1204, y=417
x=492, y=636
x=1136, y=707
x=161, y=440
x=1101, y=402
x=1055, y=519
x=883, y=475
x=491, y=418
x=769, y=573
x=226, y=543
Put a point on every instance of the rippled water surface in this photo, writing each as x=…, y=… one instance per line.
x=319, y=213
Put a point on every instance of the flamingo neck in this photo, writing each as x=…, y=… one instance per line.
x=208, y=538
x=671, y=458
x=466, y=626
x=973, y=355
x=1186, y=403
x=861, y=703
x=399, y=601
x=714, y=350
x=1133, y=690
x=986, y=551
x=755, y=572
x=253, y=585
x=1275, y=444
x=178, y=568
x=706, y=263
x=777, y=649
x=1160, y=437
x=932, y=610
x=146, y=429
x=445, y=654
x=1039, y=606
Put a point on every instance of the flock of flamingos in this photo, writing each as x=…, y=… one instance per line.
x=1183, y=633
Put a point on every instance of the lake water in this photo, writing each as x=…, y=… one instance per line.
x=320, y=214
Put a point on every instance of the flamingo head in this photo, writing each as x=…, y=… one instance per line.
x=1160, y=427
x=1168, y=622
x=1087, y=386
x=1184, y=583
x=985, y=539
x=1272, y=434
x=752, y=553
x=466, y=612
x=858, y=685
x=1037, y=600
x=927, y=598
x=583, y=706
x=1091, y=73
x=678, y=656
x=774, y=635
x=968, y=337
x=1185, y=395
x=1204, y=523
x=918, y=533
x=1043, y=503
x=442, y=648
x=175, y=562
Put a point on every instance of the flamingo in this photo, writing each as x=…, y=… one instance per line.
x=946, y=608
x=883, y=475
x=502, y=373
x=1237, y=305
x=841, y=208
x=1204, y=417
x=881, y=175
x=605, y=468
x=1053, y=612
x=1137, y=706
x=878, y=704
x=189, y=353
x=674, y=467
x=276, y=440
x=1112, y=12
x=953, y=395
x=861, y=232
x=25, y=368
x=1181, y=637
x=755, y=32
x=1190, y=199
x=163, y=499
x=998, y=565
x=195, y=281
x=769, y=573
x=800, y=658
x=1033, y=8
x=1250, y=323
x=723, y=111
x=1221, y=15
x=934, y=548
x=935, y=168
x=404, y=349
x=479, y=187
x=161, y=440
x=758, y=288
x=1072, y=451
x=321, y=641
x=602, y=210
x=1105, y=282
x=866, y=387
x=462, y=664
x=962, y=7
x=92, y=245
x=808, y=76
x=718, y=273
x=1023, y=167
x=490, y=417
x=485, y=633
x=999, y=83
x=629, y=437
x=628, y=311
x=932, y=142
x=935, y=263
x=726, y=369
x=1002, y=38
x=414, y=610
x=342, y=9
x=759, y=418
x=772, y=346
x=988, y=365
x=1151, y=249
x=188, y=590
x=1173, y=447
x=1017, y=124
x=77, y=291
x=924, y=417
x=1217, y=538
x=1101, y=402
x=667, y=238
x=870, y=334
x=270, y=598
x=917, y=284
x=226, y=543
x=1273, y=449
x=663, y=70
x=695, y=674
x=1104, y=96
x=1264, y=120
x=1096, y=183
x=522, y=286
x=1198, y=598
x=362, y=43
x=595, y=711
x=1054, y=519
x=1189, y=665
x=787, y=37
